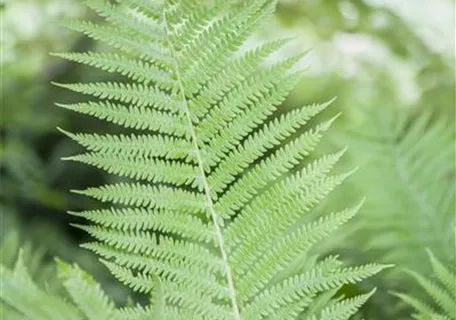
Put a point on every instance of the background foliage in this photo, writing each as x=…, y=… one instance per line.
x=391, y=66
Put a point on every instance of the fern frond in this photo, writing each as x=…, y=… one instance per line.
x=412, y=200
x=220, y=187
x=86, y=293
x=421, y=307
x=21, y=298
x=22, y=294
x=441, y=290
x=446, y=277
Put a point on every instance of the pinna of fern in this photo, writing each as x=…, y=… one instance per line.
x=218, y=185
x=441, y=304
x=82, y=299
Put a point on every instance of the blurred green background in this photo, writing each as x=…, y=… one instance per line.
x=389, y=63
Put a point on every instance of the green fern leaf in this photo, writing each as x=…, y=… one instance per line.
x=218, y=184
x=22, y=294
x=22, y=299
x=441, y=290
x=412, y=200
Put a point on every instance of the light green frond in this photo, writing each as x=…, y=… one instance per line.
x=20, y=293
x=446, y=277
x=441, y=303
x=421, y=307
x=411, y=160
x=79, y=298
x=439, y=295
x=85, y=293
x=217, y=199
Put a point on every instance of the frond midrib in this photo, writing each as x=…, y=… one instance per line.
x=207, y=191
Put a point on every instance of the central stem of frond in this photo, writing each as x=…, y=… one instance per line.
x=207, y=190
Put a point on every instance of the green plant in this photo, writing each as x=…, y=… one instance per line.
x=221, y=222
x=82, y=298
x=442, y=293
x=407, y=173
